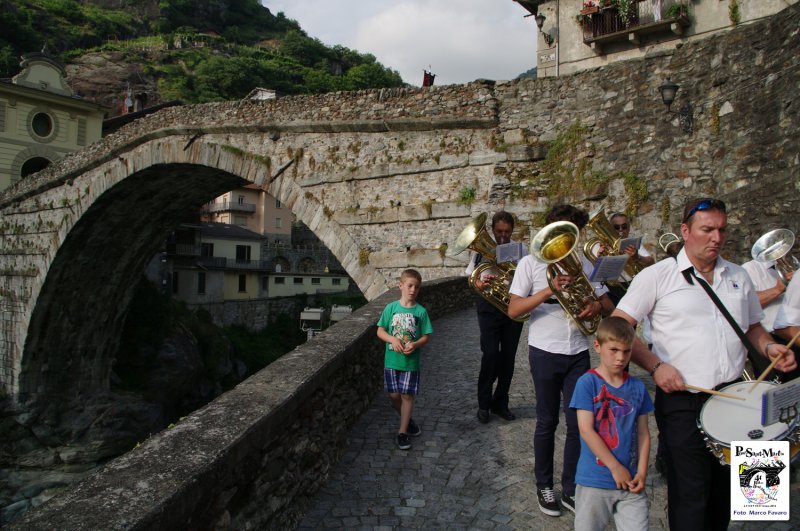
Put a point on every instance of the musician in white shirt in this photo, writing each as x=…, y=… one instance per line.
x=694, y=344
x=558, y=354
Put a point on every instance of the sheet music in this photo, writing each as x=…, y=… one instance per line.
x=608, y=268
x=636, y=241
x=510, y=252
x=781, y=403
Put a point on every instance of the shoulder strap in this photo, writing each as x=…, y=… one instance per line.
x=689, y=274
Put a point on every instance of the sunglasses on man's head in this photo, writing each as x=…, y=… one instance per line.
x=705, y=204
x=624, y=226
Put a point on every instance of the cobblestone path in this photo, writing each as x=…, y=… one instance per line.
x=460, y=474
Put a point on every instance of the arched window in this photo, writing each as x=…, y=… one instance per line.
x=33, y=165
x=306, y=265
x=281, y=265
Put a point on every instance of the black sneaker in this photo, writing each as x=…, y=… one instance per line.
x=568, y=502
x=547, y=502
x=483, y=416
x=413, y=429
x=402, y=441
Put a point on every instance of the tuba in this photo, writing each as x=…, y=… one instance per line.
x=555, y=245
x=775, y=246
x=607, y=236
x=476, y=238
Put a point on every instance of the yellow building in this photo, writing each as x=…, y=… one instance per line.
x=41, y=119
x=254, y=209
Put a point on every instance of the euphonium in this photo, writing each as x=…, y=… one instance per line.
x=775, y=246
x=476, y=238
x=609, y=238
x=555, y=245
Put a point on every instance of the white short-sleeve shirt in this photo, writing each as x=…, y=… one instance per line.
x=551, y=329
x=789, y=310
x=765, y=277
x=688, y=330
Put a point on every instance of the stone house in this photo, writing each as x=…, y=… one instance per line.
x=574, y=35
x=42, y=119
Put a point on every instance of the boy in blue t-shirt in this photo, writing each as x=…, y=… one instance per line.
x=405, y=327
x=612, y=409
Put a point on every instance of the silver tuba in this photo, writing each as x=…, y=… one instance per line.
x=775, y=246
x=555, y=245
x=670, y=243
x=476, y=238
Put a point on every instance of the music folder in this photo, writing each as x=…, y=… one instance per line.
x=635, y=241
x=608, y=268
x=510, y=252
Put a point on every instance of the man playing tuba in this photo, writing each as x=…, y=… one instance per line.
x=499, y=334
x=558, y=353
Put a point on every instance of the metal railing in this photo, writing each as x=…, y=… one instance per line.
x=607, y=20
x=226, y=206
x=231, y=263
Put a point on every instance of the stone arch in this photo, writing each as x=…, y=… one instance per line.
x=29, y=153
x=114, y=217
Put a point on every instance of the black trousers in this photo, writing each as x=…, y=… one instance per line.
x=698, y=485
x=499, y=341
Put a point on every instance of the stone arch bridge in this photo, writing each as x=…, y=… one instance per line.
x=387, y=178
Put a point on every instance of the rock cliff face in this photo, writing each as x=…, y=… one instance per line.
x=105, y=77
x=43, y=451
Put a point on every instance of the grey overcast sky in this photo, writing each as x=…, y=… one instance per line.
x=458, y=40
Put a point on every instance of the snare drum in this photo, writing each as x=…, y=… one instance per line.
x=723, y=420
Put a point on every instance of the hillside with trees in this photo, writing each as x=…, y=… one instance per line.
x=195, y=51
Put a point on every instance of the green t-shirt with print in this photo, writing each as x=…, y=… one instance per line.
x=408, y=324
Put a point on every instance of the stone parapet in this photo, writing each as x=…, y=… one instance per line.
x=251, y=458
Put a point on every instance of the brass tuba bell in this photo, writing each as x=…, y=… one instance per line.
x=609, y=238
x=476, y=238
x=555, y=245
x=775, y=246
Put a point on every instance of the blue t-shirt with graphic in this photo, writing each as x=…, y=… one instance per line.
x=407, y=324
x=616, y=410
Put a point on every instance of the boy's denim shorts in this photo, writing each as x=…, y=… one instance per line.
x=403, y=382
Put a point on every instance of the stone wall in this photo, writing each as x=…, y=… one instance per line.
x=251, y=458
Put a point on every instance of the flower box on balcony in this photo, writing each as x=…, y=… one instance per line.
x=589, y=10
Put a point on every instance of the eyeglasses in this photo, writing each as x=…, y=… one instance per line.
x=705, y=204
x=624, y=226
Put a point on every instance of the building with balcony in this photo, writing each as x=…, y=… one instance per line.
x=213, y=262
x=575, y=35
x=41, y=119
x=254, y=209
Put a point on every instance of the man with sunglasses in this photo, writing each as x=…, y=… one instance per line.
x=622, y=225
x=694, y=344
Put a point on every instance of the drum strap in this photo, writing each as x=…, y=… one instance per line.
x=689, y=274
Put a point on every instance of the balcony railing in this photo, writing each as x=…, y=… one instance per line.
x=220, y=262
x=605, y=25
x=229, y=206
x=183, y=249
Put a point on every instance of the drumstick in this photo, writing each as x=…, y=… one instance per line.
x=712, y=392
x=771, y=365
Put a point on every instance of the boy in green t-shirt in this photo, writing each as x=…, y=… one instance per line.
x=405, y=327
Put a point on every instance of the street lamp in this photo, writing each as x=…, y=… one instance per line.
x=668, y=90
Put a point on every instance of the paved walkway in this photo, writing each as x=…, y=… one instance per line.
x=460, y=474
